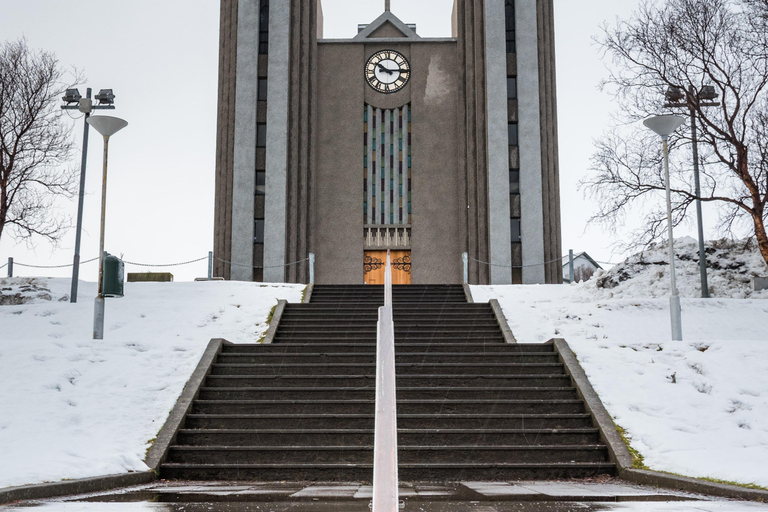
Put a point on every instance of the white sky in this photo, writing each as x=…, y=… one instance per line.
x=161, y=59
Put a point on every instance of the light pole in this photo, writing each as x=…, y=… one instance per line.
x=106, y=126
x=664, y=126
x=85, y=105
x=702, y=98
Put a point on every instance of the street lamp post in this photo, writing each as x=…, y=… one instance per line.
x=702, y=98
x=106, y=126
x=85, y=105
x=664, y=126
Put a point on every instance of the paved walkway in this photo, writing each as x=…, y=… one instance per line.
x=608, y=495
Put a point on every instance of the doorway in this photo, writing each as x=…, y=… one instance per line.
x=375, y=261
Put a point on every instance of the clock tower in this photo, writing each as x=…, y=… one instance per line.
x=432, y=148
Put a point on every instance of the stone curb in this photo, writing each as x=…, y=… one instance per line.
x=683, y=483
x=509, y=337
x=308, y=293
x=279, y=309
x=69, y=487
x=155, y=456
x=619, y=452
x=468, y=293
x=167, y=435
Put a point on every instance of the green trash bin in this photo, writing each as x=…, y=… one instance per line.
x=113, y=276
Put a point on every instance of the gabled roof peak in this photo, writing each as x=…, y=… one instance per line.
x=386, y=26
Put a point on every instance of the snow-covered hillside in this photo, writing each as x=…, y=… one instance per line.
x=73, y=407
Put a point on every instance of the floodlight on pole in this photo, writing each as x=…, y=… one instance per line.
x=74, y=101
x=664, y=126
x=106, y=126
x=677, y=97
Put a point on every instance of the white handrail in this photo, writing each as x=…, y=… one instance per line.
x=385, y=482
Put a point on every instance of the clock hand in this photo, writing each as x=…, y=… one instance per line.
x=390, y=71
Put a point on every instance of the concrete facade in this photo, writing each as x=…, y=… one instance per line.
x=460, y=158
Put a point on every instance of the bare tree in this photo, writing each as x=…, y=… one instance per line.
x=35, y=143
x=687, y=44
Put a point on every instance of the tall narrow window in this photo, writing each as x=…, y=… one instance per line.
x=515, y=230
x=511, y=88
x=264, y=27
x=258, y=231
x=510, y=22
x=386, y=159
x=262, y=90
x=261, y=181
x=514, y=182
x=513, y=134
x=261, y=135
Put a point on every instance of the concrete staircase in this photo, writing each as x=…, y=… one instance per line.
x=470, y=407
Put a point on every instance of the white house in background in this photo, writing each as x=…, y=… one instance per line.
x=583, y=267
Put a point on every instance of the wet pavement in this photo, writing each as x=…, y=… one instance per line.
x=605, y=495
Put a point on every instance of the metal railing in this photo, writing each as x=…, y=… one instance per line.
x=385, y=490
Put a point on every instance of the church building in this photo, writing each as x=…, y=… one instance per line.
x=430, y=147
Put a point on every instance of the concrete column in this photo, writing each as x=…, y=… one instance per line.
x=529, y=130
x=244, y=172
x=277, y=141
x=498, y=143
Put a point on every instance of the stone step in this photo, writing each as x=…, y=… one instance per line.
x=343, y=405
x=403, y=393
x=461, y=369
x=487, y=380
x=362, y=437
x=328, y=345
x=278, y=358
x=407, y=472
x=405, y=421
x=406, y=454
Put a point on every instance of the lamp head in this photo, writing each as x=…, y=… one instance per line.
x=674, y=94
x=107, y=125
x=71, y=96
x=664, y=126
x=105, y=97
x=708, y=92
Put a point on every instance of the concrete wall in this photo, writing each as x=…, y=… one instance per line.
x=498, y=144
x=529, y=130
x=277, y=142
x=244, y=169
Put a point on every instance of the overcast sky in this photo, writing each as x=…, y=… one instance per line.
x=161, y=59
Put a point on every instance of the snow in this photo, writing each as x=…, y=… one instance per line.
x=697, y=407
x=73, y=407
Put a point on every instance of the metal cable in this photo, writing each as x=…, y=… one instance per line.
x=165, y=264
x=516, y=266
x=255, y=266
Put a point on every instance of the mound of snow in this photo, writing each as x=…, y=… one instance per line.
x=731, y=265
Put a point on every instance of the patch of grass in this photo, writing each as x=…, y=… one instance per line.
x=150, y=444
x=638, y=462
x=738, y=484
x=269, y=321
x=304, y=293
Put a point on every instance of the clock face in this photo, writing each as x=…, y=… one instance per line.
x=387, y=71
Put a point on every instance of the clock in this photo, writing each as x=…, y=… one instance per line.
x=387, y=71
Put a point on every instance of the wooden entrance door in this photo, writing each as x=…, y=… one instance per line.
x=375, y=261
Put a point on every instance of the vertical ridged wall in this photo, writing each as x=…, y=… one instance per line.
x=301, y=135
x=225, y=138
x=473, y=169
x=549, y=143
